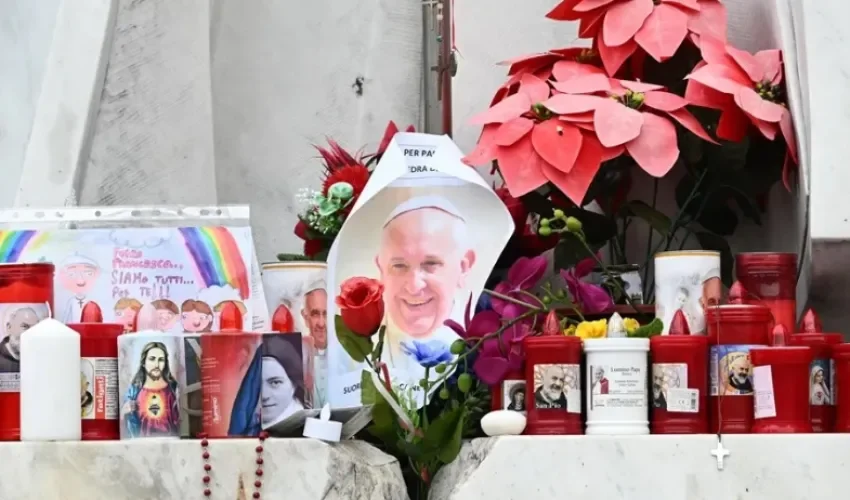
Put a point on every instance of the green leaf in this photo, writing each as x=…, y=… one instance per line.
x=656, y=220
x=356, y=346
x=328, y=207
x=709, y=241
x=415, y=451
x=443, y=437
x=292, y=257
x=368, y=393
x=379, y=347
x=651, y=329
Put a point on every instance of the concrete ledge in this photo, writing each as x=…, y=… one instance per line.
x=302, y=469
x=798, y=467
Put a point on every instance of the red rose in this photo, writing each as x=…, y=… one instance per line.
x=301, y=230
x=361, y=305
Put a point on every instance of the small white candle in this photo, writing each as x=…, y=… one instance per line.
x=50, y=383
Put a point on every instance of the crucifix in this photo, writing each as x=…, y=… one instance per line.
x=720, y=453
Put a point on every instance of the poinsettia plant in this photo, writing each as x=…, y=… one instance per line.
x=658, y=88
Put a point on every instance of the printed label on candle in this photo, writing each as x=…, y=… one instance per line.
x=557, y=387
x=765, y=404
x=99, y=388
x=617, y=386
x=683, y=400
x=513, y=395
x=668, y=377
x=730, y=370
x=821, y=383
x=15, y=319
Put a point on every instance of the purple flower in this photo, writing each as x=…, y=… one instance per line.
x=522, y=277
x=428, y=354
x=592, y=299
x=477, y=326
x=501, y=355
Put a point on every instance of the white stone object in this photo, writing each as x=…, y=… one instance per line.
x=616, y=327
x=50, y=383
x=503, y=423
x=301, y=469
x=720, y=453
x=778, y=466
x=681, y=277
x=323, y=428
x=617, y=386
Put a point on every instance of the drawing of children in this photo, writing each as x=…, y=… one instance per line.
x=78, y=275
x=196, y=316
x=167, y=314
x=126, y=310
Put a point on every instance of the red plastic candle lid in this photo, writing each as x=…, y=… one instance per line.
x=754, y=262
x=811, y=339
x=16, y=269
x=738, y=313
x=230, y=318
x=551, y=341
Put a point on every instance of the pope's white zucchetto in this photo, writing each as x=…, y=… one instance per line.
x=419, y=202
x=76, y=259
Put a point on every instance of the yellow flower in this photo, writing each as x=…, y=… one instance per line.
x=570, y=330
x=592, y=329
x=631, y=325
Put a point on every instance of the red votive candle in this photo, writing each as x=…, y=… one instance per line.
x=821, y=371
x=679, y=380
x=780, y=380
x=26, y=297
x=509, y=394
x=841, y=386
x=771, y=279
x=98, y=374
x=231, y=378
x=733, y=330
x=553, y=382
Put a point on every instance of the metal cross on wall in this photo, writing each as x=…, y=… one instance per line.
x=439, y=65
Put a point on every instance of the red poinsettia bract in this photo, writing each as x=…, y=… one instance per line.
x=747, y=89
x=563, y=137
x=619, y=27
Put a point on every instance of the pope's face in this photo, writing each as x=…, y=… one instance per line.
x=423, y=263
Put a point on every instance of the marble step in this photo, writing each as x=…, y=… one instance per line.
x=302, y=469
x=757, y=467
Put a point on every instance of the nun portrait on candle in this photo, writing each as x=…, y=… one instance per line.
x=283, y=393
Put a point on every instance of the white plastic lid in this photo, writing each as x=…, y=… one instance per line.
x=323, y=428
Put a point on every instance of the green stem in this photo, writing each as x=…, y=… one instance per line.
x=425, y=406
x=530, y=307
x=649, y=239
x=674, y=225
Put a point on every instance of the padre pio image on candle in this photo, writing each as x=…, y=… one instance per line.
x=427, y=231
x=16, y=319
x=556, y=387
x=148, y=388
x=513, y=395
x=734, y=372
x=666, y=376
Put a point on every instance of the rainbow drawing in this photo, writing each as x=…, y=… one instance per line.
x=217, y=258
x=13, y=243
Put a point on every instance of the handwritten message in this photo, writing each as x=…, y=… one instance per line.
x=139, y=276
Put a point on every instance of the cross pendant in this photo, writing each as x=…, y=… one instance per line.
x=720, y=453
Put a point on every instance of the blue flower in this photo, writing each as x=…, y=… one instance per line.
x=484, y=303
x=428, y=354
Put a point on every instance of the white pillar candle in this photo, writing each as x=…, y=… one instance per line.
x=50, y=383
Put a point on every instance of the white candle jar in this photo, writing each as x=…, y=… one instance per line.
x=617, y=390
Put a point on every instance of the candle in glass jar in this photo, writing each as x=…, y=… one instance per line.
x=26, y=297
x=50, y=371
x=553, y=382
x=771, y=279
x=98, y=374
x=841, y=386
x=733, y=330
x=780, y=380
x=821, y=370
x=679, y=380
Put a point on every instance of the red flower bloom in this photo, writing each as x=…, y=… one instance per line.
x=313, y=247
x=515, y=207
x=389, y=133
x=619, y=27
x=361, y=304
x=747, y=89
x=357, y=175
x=335, y=157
